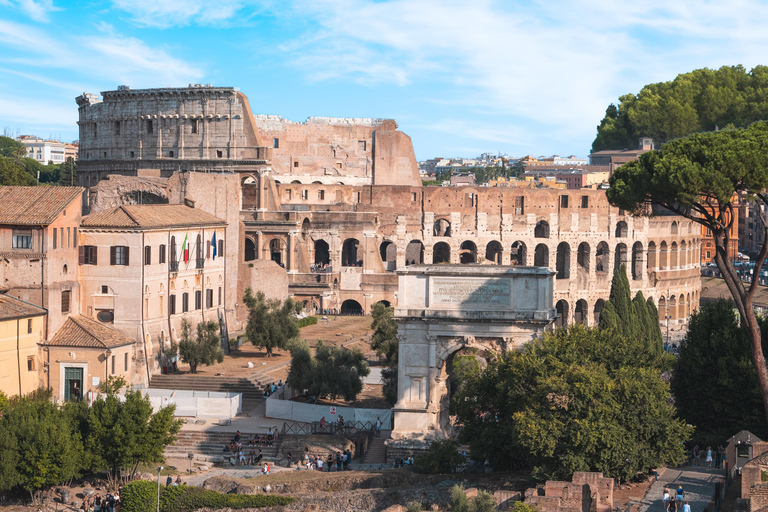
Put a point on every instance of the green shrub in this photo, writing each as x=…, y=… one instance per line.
x=484, y=502
x=310, y=320
x=442, y=457
x=141, y=496
x=459, y=501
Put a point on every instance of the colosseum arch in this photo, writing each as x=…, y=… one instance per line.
x=602, y=257
x=581, y=313
x=518, y=253
x=388, y=253
x=441, y=253
x=322, y=253
x=277, y=251
x=468, y=252
x=599, y=304
x=541, y=230
x=414, y=253
x=351, y=307
x=562, y=314
x=663, y=256
x=441, y=227
x=620, y=255
x=673, y=308
x=621, y=229
x=637, y=261
x=582, y=256
x=250, y=250
x=563, y=261
x=541, y=256
x=493, y=252
x=651, y=263
x=673, y=256
x=349, y=256
x=681, y=307
x=673, y=228
x=663, y=312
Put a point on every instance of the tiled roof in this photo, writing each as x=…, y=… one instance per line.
x=79, y=331
x=744, y=436
x=35, y=206
x=11, y=307
x=150, y=216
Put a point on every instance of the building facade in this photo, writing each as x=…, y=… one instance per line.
x=146, y=268
x=45, y=151
x=22, y=329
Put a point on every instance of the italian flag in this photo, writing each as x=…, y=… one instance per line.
x=185, y=249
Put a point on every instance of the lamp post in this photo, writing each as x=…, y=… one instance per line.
x=159, y=469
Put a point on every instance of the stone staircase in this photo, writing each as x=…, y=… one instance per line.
x=252, y=388
x=377, y=452
x=209, y=446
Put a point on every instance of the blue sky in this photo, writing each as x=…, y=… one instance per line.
x=460, y=77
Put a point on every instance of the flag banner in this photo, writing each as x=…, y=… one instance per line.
x=213, y=244
x=185, y=249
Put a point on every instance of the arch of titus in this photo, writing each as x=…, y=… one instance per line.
x=444, y=308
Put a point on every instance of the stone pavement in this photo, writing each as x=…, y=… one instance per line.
x=698, y=483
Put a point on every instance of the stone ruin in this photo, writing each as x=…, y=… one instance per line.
x=586, y=492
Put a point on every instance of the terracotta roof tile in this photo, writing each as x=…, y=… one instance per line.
x=80, y=331
x=151, y=216
x=11, y=307
x=35, y=206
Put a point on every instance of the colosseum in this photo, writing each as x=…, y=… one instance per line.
x=330, y=207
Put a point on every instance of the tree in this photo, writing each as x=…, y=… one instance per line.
x=386, y=344
x=12, y=174
x=576, y=400
x=442, y=457
x=68, y=173
x=271, y=323
x=205, y=348
x=701, y=100
x=124, y=434
x=39, y=445
x=713, y=383
x=11, y=148
x=332, y=373
x=702, y=177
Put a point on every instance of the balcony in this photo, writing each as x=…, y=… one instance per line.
x=173, y=266
x=199, y=263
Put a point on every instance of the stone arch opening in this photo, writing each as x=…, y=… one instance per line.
x=388, y=251
x=620, y=256
x=351, y=307
x=349, y=257
x=599, y=304
x=581, y=313
x=663, y=256
x=602, y=254
x=250, y=250
x=493, y=253
x=518, y=253
x=541, y=256
x=563, y=261
x=414, y=253
x=673, y=227
x=673, y=256
x=468, y=252
x=681, y=307
x=441, y=253
x=441, y=227
x=541, y=230
x=582, y=256
x=672, y=308
x=306, y=226
x=652, y=256
x=637, y=261
x=683, y=254
x=322, y=253
x=562, y=314
x=385, y=303
x=277, y=251
x=621, y=229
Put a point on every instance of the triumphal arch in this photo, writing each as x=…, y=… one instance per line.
x=444, y=308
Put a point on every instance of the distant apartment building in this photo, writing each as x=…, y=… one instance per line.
x=462, y=180
x=145, y=268
x=613, y=159
x=44, y=151
x=574, y=178
x=70, y=151
x=38, y=248
x=529, y=182
x=708, y=241
x=751, y=231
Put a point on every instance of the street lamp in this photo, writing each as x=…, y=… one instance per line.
x=159, y=469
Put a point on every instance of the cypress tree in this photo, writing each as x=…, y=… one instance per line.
x=640, y=327
x=608, y=318
x=621, y=299
x=654, y=327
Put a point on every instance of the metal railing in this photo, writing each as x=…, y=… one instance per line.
x=348, y=427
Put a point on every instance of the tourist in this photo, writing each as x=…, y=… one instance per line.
x=680, y=497
x=240, y=457
x=178, y=480
x=280, y=384
x=319, y=463
x=251, y=440
x=237, y=437
x=723, y=459
x=338, y=462
x=322, y=423
x=686, y=507
x=265, y=469
x=329, y=462
x=97, y=502
x=168, y=481
x=696, y=455
x=709, y=456
x=266, y=394
x=289, y=456
x=665, y=498
x=378, y=426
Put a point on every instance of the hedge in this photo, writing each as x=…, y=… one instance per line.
x=141, y=496
x=310, y=320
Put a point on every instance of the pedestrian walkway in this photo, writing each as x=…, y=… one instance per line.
x=698, y=483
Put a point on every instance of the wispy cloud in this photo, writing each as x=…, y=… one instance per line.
x=169, y=13
x=39, y=10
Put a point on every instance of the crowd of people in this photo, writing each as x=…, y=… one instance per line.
x=340, y=460
x=239, y=456
x=109, y=503
x=712, y=458
x=674, y=500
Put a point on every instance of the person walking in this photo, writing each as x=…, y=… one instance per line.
x=378, y=426
x=686, y=507
x=709, y=456
x=665, y=498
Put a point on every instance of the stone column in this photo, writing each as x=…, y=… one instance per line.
x=290, y=265
x=258, y=245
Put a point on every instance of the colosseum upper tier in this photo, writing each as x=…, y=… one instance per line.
x=333, y=206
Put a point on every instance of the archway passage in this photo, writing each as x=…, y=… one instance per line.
x=468, y=252
x=620, y=258
x=493, y=253
x=637, y=261
x=441, y=253
x=351, y=307
x=541, y=230
x=388, y=252
x=349, y=253
x=581, y=313
x=582, y=257
x=563, y=263
x=322, y=253
x=621, y=229
x=518, y=253
x=541, y=256
x=599, y=304
x=250, y=250
x=562, y=314
x=441, y=227
x=384, y=303
x=414, y=253
x=601, y=257
x=276, y=251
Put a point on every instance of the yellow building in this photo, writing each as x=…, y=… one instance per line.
x=22, y=327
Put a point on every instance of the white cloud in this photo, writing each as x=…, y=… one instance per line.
x=37, y=10
x=168, y=13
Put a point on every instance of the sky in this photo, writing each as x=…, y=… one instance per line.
x=460, y=77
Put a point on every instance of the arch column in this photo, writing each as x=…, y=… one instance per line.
x=291, y=246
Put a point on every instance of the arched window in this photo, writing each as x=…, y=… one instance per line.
x=441, y=227
x=388, y=252
x=663, y=257
x=637, y=261
x=652, y=256
x=620, y=256
x=563, y=261
x=541, y=256
x=493, y=252
x=468, y=252
x=322, y=253
x=414, y=253
x=673, y=256
x=518, y=253
x=581, y=313
x=582, y=257
x=250, y=250
x=541, y=230
x=621, y=229
x=349, y=256
x=597, y=310
x=441, y=253
x=562, y=314
x=602, y=257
